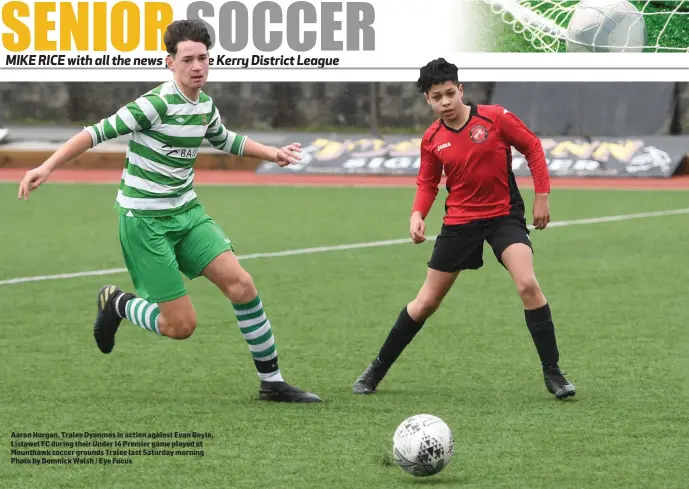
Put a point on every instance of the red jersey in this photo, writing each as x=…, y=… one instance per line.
x=477, y=160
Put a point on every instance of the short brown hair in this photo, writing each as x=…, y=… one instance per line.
x=186, y=30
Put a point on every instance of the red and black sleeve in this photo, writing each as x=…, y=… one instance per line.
x=517, y=134
x=430, y=173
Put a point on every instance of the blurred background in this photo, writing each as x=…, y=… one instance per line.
x=600, y=109
x=588, y=129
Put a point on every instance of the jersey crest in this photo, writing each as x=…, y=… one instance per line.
x=479, y=134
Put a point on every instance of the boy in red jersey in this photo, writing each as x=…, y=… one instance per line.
x=473, y=146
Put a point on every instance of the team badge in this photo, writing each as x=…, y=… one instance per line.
x=203, y=119
x=479, y=134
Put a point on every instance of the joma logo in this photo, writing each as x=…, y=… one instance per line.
x=443, y=146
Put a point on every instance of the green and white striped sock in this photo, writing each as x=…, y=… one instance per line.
x=142, y=313
x=256, y=330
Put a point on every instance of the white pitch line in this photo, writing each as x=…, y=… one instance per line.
x=352, y=246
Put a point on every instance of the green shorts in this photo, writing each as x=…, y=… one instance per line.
x=157, y=249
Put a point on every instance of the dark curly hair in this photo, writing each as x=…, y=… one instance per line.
x=437, y=71
x=186, y=30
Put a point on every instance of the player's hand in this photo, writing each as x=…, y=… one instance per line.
x=31, y=181
x=417, y=229
x=541, y=211
x=289, y=155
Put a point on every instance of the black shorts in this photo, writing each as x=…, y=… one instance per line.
x=460, y=247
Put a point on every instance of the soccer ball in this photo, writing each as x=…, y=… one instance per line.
x=606, y=26
x=423, y=445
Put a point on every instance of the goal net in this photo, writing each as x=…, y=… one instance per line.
x=543, y=24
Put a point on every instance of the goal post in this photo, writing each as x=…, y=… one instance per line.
x=543, y=23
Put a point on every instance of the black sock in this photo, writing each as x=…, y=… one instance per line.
x=121, y=303
x=540, y=324
x=400, y=336
x=267, y=367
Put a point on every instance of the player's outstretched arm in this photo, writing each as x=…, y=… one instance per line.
x=284, y=156
x=74, y=147
x=143, y=113
x=225, y=140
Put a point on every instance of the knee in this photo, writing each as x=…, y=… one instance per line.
x=424, y=306
x=179, y=328
x=528, y=287
x=241, y=289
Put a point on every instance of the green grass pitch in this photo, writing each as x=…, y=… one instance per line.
x=618, y=292
x=664, y=29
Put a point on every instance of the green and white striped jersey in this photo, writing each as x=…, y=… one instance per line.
x=167, y=130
